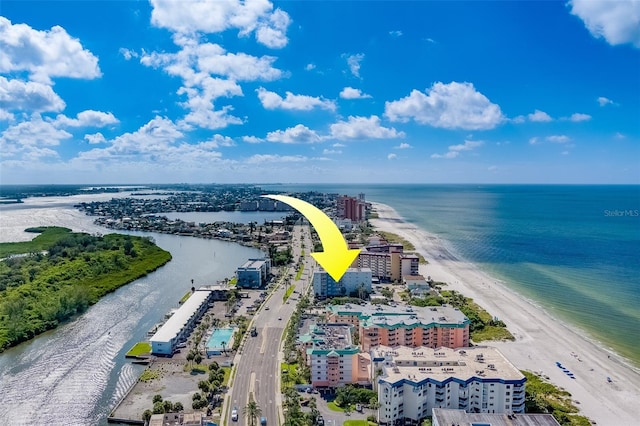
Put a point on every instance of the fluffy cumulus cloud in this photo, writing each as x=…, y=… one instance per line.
x=30, y=96
x=578, y=117
x=88, y=118
x=271, y=100
x=44, y=54
x=351, y=93
x=455, y=150
x=353, y=61
x=331, y=151
x=617, y=21
x=403, y=145
x=31, y=139
x=395, y=33
x=450, y=106
x=363, y=128
x=128, y=54
x=539, y=117
x=297, y=134
x=214, y=16
x=95, y=138
x=391, y=156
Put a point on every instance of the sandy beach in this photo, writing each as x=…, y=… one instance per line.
x=541, y=340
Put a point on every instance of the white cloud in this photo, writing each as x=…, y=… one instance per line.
x=6, y=115
x=539, y=117
x=27, y=140
x=455, y=150
x=451, y=106
x=217, y=141
x=252, y=139
x=297, y=134
x=363, y=128
x=403, y=145
x=395, y=33
x=128, y=54
x=492, y=168
x=338, y=145
x=558, y=138
x=578, y=117
x=238, y=67
x=619, y=135
x=28, y=96
x=534, y=141
x=618, y=22
x=213, y=16
x=95, y=138
x=310, y=67
x=354, y=63
x=331, y=151
x=351, y=93
x=519, y=119
x=88, y=118
x=604, y=101
x=565, y=153
x=271, y=100
x=44, y=54
x=271, y=158
x=392, y=157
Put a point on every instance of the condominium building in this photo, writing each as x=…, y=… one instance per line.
x=387, y=262
x=180, y=324
x=354, y=281
x=254, y=273
x=412, y=381
x=332, y=357
x=404, y=325
x=351, y=208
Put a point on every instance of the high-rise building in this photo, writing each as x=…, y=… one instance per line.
x=351, y=208
x=353, y=281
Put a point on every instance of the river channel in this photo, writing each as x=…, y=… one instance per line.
x=75, y=374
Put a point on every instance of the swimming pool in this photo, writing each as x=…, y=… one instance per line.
x=220, y=335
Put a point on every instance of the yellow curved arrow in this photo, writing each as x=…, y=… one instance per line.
x=336, y=257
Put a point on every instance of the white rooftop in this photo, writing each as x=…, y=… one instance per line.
x=179, y=319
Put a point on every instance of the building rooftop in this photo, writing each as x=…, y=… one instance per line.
x=401, y=315
x=326, y=338
x=444, y=417
x=253, y=264
x=419, y=364
x=174, y=325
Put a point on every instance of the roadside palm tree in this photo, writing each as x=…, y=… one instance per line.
x=252, y=411
x=223, y=343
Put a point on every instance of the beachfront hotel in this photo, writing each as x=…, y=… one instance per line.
x=412, y=381
x=404, y=325
x=181, y=323
x=333, y=358
x=254, y=273
x=446, y=417
x=387, y=262
x=353, y=280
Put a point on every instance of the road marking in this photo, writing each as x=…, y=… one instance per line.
x=252, y=382
x=264, y=342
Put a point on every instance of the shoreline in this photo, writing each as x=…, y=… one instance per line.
x=541, y=339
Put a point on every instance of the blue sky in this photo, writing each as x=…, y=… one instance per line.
x=315, y=91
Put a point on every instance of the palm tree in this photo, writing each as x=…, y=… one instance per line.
x=223, y=343
x=252, y=411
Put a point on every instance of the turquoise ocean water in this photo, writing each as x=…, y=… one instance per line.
x=574, y=250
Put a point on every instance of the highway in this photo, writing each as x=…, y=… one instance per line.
x=258, y=363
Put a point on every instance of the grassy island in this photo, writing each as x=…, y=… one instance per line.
x=58, y=274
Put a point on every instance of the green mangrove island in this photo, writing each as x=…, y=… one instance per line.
x=58, y=274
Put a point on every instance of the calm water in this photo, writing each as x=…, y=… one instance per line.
x=75, y=374
x=236, y=217
x=564, y=247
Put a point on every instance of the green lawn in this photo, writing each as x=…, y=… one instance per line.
x=300, y=271
x=357, y=423
x=184, y=298
x=227, y=375
x=140, y=348
x=333, y=407
x=288, y=293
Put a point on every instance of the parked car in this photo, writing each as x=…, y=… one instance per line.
x=263, y=421
x=234, y=414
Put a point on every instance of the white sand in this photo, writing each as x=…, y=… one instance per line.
x=541, y=340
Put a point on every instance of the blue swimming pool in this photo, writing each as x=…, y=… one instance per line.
x=220, y=335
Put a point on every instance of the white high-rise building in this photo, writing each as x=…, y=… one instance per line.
x=352, y=280
x=412, y=381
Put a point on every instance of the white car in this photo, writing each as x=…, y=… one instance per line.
x=234, y=414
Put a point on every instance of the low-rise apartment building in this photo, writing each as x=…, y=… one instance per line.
x=333, y=358
x=254, y=273
x=412, y=381
x=404, y=325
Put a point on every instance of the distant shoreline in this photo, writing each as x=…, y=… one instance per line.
x=541, y=340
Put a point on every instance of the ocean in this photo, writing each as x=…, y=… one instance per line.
x=574, y=250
